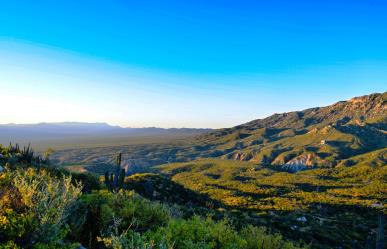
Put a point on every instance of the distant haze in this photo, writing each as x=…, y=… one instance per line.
x=44, y=135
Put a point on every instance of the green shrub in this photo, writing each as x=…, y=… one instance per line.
x=129, y=239
x=197, y=233
x=35, y=206
x=103, y=210
x=257, y=237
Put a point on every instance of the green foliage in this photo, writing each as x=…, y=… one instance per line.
x=161, y=188
x=39, y=208
x=339, y=203
x=34, y=206
x=198, y=233
x=14, y=155
x=103, y=210
x=129, y=239
x=257, y=237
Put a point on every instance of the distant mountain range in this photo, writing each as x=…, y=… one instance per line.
x=79, y=128
x=32, y=133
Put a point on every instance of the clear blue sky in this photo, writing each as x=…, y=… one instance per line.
x=174, y=63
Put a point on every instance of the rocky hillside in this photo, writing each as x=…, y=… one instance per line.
x=322, y=136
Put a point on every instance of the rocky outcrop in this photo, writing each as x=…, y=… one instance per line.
x=299, y=163
x=242, y=156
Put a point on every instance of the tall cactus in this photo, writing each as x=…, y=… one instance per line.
x=118, y=168
x=121, y=178
x=118, y=159
x=116, y=180
x=107, y=180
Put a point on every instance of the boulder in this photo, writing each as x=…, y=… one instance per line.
x=302, y=219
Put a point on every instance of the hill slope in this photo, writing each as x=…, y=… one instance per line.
x=327, y=207
x=321, y=136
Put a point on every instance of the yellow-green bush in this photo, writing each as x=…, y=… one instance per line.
x=197, y=233
x=34, y=207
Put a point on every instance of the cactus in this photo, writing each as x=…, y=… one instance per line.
x=107, y=180
x=121, y=178
x=118, y=160
x=116, y=180
x=25, y=156
x=118, y=167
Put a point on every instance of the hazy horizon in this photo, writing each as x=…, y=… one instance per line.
x=139, y=127
x=99, y=123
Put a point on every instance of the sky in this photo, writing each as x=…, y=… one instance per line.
x=208, y=64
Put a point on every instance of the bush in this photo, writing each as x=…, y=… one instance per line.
x=106, y=213
x=35, y=207
x=197, y=233
x=257, y=237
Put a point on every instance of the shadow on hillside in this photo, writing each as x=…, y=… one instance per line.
x=238, y=192
x=161, y=188
x=331, y=225
x=320, y=225
x=307, y=187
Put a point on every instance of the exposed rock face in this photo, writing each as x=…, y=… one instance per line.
x=241, y=156
x=237, y=156
x=294, y=168
x=299, y=163
x=359, y=108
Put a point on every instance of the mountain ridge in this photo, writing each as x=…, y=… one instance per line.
x=316, y=136
x=87, y=127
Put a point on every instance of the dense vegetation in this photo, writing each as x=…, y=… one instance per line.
x=43, y=207
x=328, y=207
